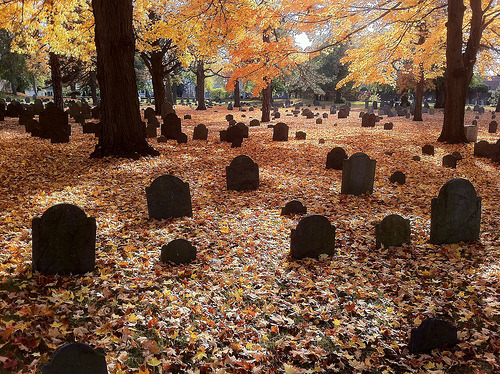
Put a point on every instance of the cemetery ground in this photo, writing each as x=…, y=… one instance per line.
x=244, y=306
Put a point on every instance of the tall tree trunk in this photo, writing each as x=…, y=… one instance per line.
x=93, y=86
x=33, y=82
x=459, y=67
x=72, y=87
x=440, y=92
x=157, y=75
x=13, y=80
x=200, y=85
x=55, y=73
x=123, y=132
x=419, y=95
x=236, y=93
x=168, y=89
x=498, y=105
x=266, y=104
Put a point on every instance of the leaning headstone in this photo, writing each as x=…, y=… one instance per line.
x=293, y=207
x=358, y=174
x=300, y=135
x=280, y=132
x=64, y=241
x=492, y=127
x=433, y=333
x=187, y=116
x=168, y=197
x=54, y=124
x=200, y=132
x=335, y=158
x=449, y=161
x=313, y=236
x=178, y=251
x=234, y=135
x=483, y=149
x=393, y=231
x=77, y=358
x=471, y=133
x=398, y=177
x=242, y=174
x=455, y=213
x=428, y=149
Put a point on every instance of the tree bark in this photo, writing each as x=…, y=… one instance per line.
x=93, y=86
x=498, y=105
x=168, y=89
x=200, y=85
x=236, y=94
x=55, y=73
x=157, y=76
x=13, y=83
x=33, y=82
x=123, y=132
x=440, y=92
x=419, y=95
x=266, y=104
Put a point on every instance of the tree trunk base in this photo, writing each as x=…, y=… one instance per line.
x=133, y=152
x=417, y=119
x=201, y=107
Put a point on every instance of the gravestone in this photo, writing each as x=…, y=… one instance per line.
x=450, y=162
x=319, y=121
x=77, y=358
x=200, y=132
x=171, y=127
x=151, y=131
x=300, y=135
x=187, y=116
x=433, y=333
x=483, y=149
x=416, y=158
x=38, y=107
x=325, y=115
x=428, y=149
x=457, y=155
x=25, y=118
x=64, y=241
x=492, y=127
x=153, y=121
x=149, y=112
x=254, y=122
x=333, y=109
x=455, y=213
x=86, y=111
x=229, y=117
x=307, y=113
x=182, y=138
x=242, y=174
x=178, y=251
x=54, y=124
x=471, y=133
x=96, y=112
x=313, y=236
x=168, y=197
x=14, y=109
x=393, y=231
x=368, y=120
x=335, y=158
x=280, y=132
x=234, y=135
x=388, y=126
x=293, y=207
x=398, y=177
x=358, y=174
x=243, y=128
x=166, y=108
x=230, y=106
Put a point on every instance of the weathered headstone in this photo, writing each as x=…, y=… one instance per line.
x=471, y=133
x=64, y=241
x=242, y=174
x=428, y=149
x=243, y=128
x=483, y=149
x=398, y=177
x=393, y=231
x=38, y=106
x=388, y=126
x=433, y=333
x=335, y=158
x=455, y=213
x=280, y=132
x=234, y=135
x=293, y=207
x=149, y=112
x=230, y=106
x=450, y=162
x=229, y=117
x=77, y=358
x=168, y=197
x=200, y=132
x=300, y=135
x=178, y=251
x=457, y=155
x=358, y=174
x=368, y=120
x=254, y=122
x=151, y=131
x=319, y=121
x=492, y=127
x=166, y=108
x=54, y=124
x=313, y=236
x=171, y=127
x=325, y=115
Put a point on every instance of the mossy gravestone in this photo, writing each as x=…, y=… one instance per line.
x=64, y=241
x=77, y=358
x=313, y=236
x=394, y=231
x=358, y=174
x=178, y=251
x=455, y=213
x=168, y=197
x=242, y=174
x=433, y=333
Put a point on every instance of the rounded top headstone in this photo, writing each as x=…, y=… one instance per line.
x=241, y=160
x=69, y=213
x=178, y=251
x=457, y=186
x=166, y=179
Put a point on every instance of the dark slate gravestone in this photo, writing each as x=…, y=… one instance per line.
x=300, y=135
x=293, y=207
x=243, y=128
x=54, y=124
x=388, y=126
x=86, y=110
x=492, y=127
x=200, y=132
x=151, y=131
x=428, y=149
x=457, y=155
x=335, y=158
x=313, y=236
x=223, y=135
x=280, y=132
x=483, y=149
x=455, y=213
x=495, y=156
x=168, y=197
x=153, y=121
x=64, y=241
x=449, y=161
x=96, y=112
x=162, y=139
x=398, y=177
x=254, y=122
x=178, y=251
x=394, y=231
x=234, y=135
x=368, y=120
x=38, y=107
x=25, y=118
x=325, y=115
x=242, y=174
x=187, y=116
x=149, y=112
x=229, y=117
x=307, y=113
x=358, y=174
x=276, y=115
x=77, y=358
x=14, y=109
x=182, y=138
x=433, y=333
x=171, y=127
x=343, y=113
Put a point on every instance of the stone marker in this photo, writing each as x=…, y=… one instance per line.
x=300, y=135
x=343, y=113
x=483, y=149
x=393, y=231
x=166, y=108
x=398, y=177
x=433, y=333
x=153, y=121
x=182, y=138
x=77, y=358
x=416, y=158
x=242, y=174
x=293, y=207
x=200, y=132
x=358, y=174
x=187, y=116
x=229, y=117
x=368, y=120
x=38, y=106
x=230, y=106
x=428, y=149
x=388, y=126
x=168, y=197
x=64, y=241
x=319, y=121
x=54, y=124
x=335, y=158
x=457, y=155
x=171, y=127
x=322, y=141
x=234, y=135
x=243, y=128
x=450, y=162
x=280, y=132
x=254, y=122
x=149, y=112
x=471, y=133
x=178, y=251
x=325, y=115
x=492, y=127
x=151, y=131
x=455, y=213
x=313, y=236
x=333, y=109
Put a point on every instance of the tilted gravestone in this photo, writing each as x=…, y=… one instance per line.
x=77, y=358
x=455, y=213
x=54, y=124
x=300, y=135
x=428, y=149
x=64, y=241
x=483, y=149
x=313, y=236
x=492, y=127
x=178, y=251
x=168, y=197
x=200, y=132
x=242, y=174
x=449, y=161
x=280, y=132
x=358, y=174
x=171, y=127
x=335, y=158
x=293, y=207
x=393, y=231
x=433, y=333
x=234, y=135
x=398, y=177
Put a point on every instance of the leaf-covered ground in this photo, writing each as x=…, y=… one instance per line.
x=244, y=306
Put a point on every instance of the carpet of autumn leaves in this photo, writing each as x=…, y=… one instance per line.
x=244, y=306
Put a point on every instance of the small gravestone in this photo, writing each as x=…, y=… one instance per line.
x=254, y=122
x=293, y=207
x=187, y=116
x=433, y=333
x=149, y=112
x=450, y=162
x=168, y=197
x=307, y=113
x=242, y=174
x=483, y=149
x=319, y=121
x=455, y=213
x=388, y=126
x=64, y=241
x=234, y=135
x=229, y=117
x=243, y=128
x=343, y=113
x=333, y=109
x=368, y=120
x=280, y=132
x=171, y=127
x=77, y=358
x=358, y=174
x=300, y=135
x=471, y=133
x=166, y=108
x=492, y=127
x=153, y=121
x=25, y=118
x=416, y=158
x=178, y=251
x=230, y=106
x=457, y=155
x=335, y=158
x=322, y=141
x=200, y=132
x=38, y=107
x=428, y=149
x=276, y=115
x=313, y=236
x=182, y=138
x=54, y=124
x=150, y=131
x=393, y=231
x=398, y=177
x=325, y=115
